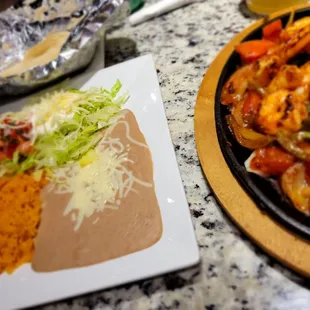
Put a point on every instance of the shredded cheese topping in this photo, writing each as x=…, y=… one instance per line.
x=95, y=186
x=101, y=183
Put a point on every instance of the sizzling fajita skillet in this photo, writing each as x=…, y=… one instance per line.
x=256, y=204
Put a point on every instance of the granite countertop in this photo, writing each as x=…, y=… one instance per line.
x=234, y=273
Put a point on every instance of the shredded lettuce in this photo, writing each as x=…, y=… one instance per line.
x=75, y=137
x=93, y=110
x=15, y=158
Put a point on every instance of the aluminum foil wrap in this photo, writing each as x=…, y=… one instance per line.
x=30, y=21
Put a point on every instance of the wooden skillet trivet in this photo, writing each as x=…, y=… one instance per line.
x=271, y=236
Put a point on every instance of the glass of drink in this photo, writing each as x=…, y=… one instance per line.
x=270, y=6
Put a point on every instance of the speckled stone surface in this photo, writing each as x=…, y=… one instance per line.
x=233, y=274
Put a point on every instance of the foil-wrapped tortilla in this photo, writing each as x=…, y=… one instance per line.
x=42, y=40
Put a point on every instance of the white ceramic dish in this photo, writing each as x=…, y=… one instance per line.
x=177, y=247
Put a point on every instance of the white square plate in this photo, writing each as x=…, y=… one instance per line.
x=177, y=247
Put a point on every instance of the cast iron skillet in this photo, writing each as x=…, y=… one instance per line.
x=265, y=193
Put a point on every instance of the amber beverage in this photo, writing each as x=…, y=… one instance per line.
x=270, y=6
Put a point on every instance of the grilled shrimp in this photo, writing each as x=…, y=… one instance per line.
x=296, y=30
x=258, y=74
x=295, y=39
x=289, y=77
x=283, y=110
x=286, y=100
x=306, y=72
x=236, y=86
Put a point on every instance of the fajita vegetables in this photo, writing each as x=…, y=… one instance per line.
x=269, y=107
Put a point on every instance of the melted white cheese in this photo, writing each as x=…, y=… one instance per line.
x=96, y=185
x=103, y=183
